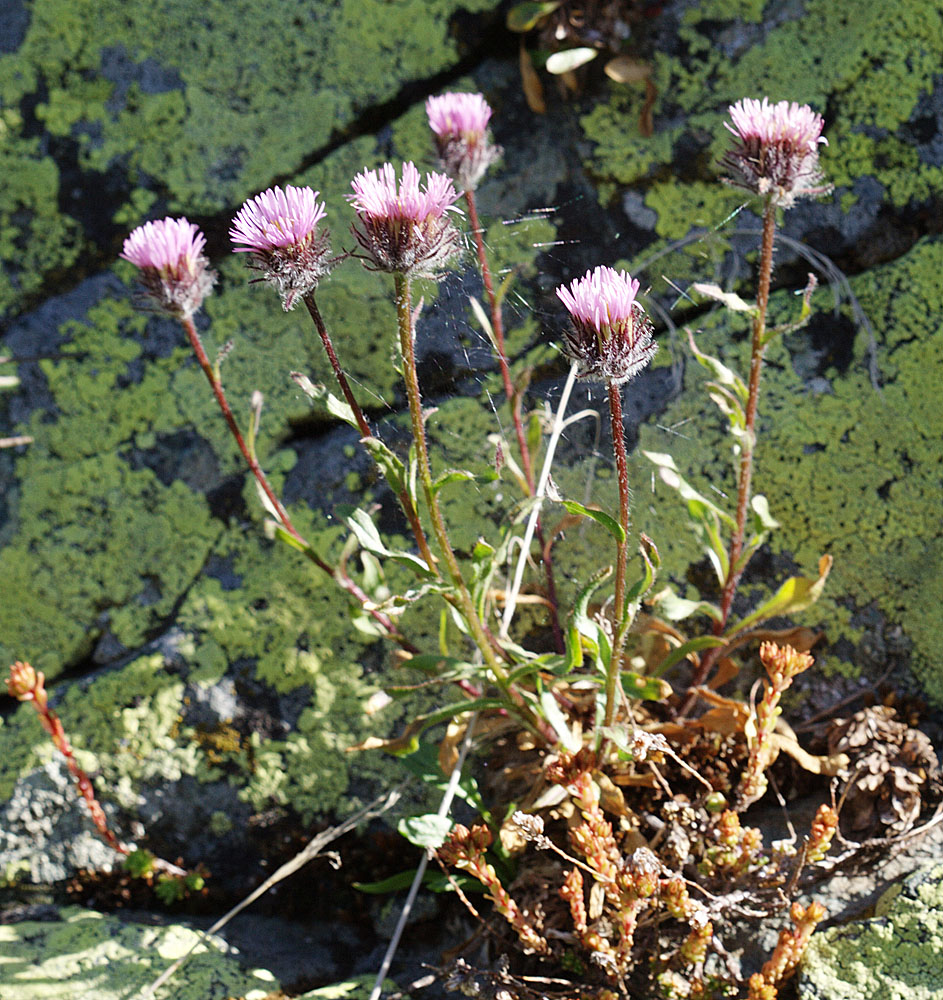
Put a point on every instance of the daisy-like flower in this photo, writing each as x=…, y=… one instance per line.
x=175, y=274
x=404, y=228
x=460, y=124
x=777, y=150
x=280, y=231
x=611, y=337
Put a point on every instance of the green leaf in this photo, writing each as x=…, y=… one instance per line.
x=600, y=517
x=392, y=467
x=558, y=721
x=361, y=524
x=453, y=476
x=796, y=594
x=724, y=376
x=643, y=687
x=408, y=740
x=730, y=299
x=691, y=646
x=569, y=60
x=429, y=830
x=669, y=605
x=341, y=409
x=402, y=880
x=763, y=520
x=479, y=310
x=524, y=16
x=668, y=472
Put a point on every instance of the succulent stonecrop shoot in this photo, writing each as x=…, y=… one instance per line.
x=279, y=230
x=405, y=227
x=460, y=125
x=777, y=150
x=175, y=274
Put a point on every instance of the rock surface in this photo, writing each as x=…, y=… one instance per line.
x=893, y=956
x=81, y=955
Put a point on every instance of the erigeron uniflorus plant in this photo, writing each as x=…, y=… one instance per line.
x=645, y=873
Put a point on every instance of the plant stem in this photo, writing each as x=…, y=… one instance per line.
x=748, y=445
x=466, y=605
x=513, y=397
x=619, y=624
x=409, y=508
x=342, y=578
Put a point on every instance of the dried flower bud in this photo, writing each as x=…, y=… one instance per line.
x=279, y=229
x=460, y=125
x=175, y=275
x=611, y=337
x=777, y=152
x=403, y=228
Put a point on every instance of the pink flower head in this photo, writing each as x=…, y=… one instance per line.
x=460, y=124
x=611, y=338
x=175, y=275
x=404, y=228
x=777, y=153
x=280, y=231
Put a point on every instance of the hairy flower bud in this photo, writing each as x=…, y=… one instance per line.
x=404, y=228
x=777, y=150
x=175, y=275
x=279, y=229
x=611, y=337
x=460, y=125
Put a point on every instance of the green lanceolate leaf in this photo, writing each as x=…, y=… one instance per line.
x=668, y=472
x=392, y=467
x=600, y=517
x=691, y=646
x=730, y=299
x=643, y=687
x=724, y=376
x=361, y=524
x=453, y=476
x=796, y=594
x=669, y=605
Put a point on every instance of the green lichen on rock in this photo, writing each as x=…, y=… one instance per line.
x=849, y=469
x=893, y=956
x=868, y=69
x=86, y=954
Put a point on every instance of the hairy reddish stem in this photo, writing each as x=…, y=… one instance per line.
x=409, y=508
x=748, y=445
x=349, y=585
x=619, y=625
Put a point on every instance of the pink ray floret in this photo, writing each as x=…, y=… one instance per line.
x=276, y=219
x=377, y=197
x=459, y=115
x=773, y=124
x=169, y=245
x=602, y=298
